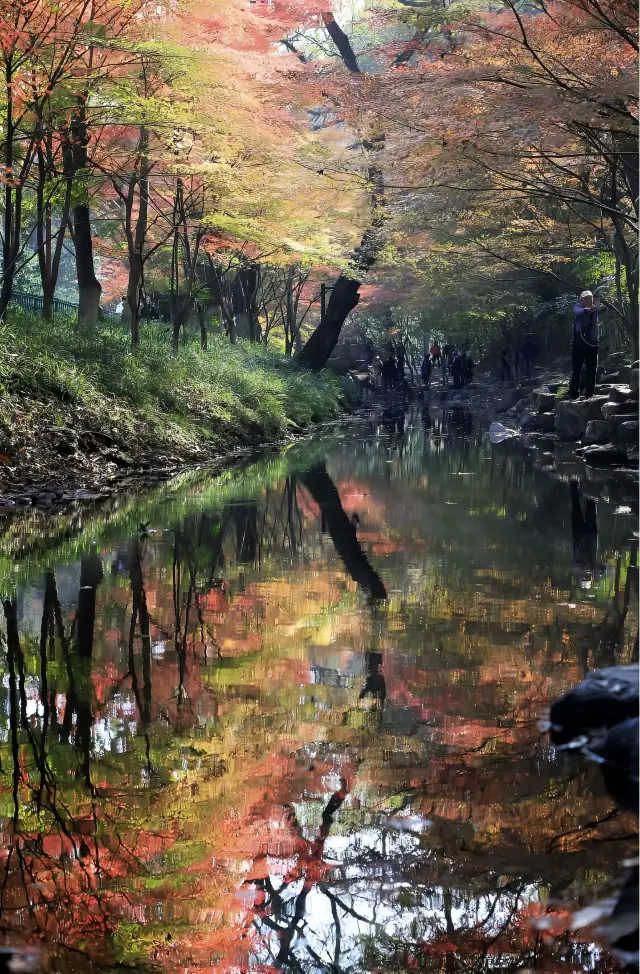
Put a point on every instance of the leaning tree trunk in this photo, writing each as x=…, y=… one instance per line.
x=346, y=291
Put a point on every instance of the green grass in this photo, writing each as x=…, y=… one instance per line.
x=53, y=375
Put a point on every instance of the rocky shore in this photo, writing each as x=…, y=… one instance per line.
x=603, y=430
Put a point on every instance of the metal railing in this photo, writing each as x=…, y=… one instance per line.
x=35, y=303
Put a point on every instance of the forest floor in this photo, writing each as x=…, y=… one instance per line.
x=83, y=412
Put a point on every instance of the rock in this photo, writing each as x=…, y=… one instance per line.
x=547, y=422
x=627, y=408
x=521, y=405
x=545, y=401
x=605, y=698
x=529, y=419
x=572, y=416
x=617, y=754
x=633, y=381
x=624, y=373
x=557, y=384
x=626, y=434
x=604, y=456
x=7, y=503
x=619, y=393
x=597, y=431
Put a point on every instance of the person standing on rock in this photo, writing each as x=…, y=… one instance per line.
x=586, y=339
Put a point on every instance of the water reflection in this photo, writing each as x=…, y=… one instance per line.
x=287, y=718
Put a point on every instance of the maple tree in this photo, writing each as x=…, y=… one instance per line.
x=514, y=134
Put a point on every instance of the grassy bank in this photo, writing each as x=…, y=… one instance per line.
x=76, y=405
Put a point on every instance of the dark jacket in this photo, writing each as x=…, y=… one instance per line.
x=586, y=324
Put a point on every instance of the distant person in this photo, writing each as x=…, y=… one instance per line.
x=435, y=354
x=449, y=355
x=377, y=372
x=529, y=351
x=457, y=371
x=120, y=307
x=469, y=366
x=505, y=370
x=389, y=373
x=425, y=370
x=586, y=340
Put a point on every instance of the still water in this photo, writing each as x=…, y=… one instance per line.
x=286, y=717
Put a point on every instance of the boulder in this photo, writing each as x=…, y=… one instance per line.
x=545, y=401
x=528, y=420
x=521, y=405
x=572, y=416
x=547, y=422
x=597, y=431
x=627, y=408
x=606, y=455
x=619, y=393
x=633, y=381
x=556, y=384
x=626, y=434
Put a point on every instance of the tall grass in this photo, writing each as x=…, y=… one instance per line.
x=228, y=394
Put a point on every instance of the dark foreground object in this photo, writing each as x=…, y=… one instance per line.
x=600, y=717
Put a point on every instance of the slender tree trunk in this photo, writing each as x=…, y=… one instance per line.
x=137, y=241
x=89, y=288
x=8, y=266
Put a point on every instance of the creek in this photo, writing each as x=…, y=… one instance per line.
x=286, y=716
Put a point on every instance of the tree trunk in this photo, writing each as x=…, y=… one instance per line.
x=89, y=288
x=344, y=298
x=202, y=320
x=137, y=241
x=345, y=293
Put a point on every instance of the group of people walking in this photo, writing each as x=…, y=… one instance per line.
x=390, y=374
x=454, y=363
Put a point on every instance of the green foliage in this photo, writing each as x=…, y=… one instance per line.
x=227, y=393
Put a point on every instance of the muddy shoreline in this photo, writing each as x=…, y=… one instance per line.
x=99, y=469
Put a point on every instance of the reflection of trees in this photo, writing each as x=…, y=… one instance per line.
x=189, y=718
x=343, y=533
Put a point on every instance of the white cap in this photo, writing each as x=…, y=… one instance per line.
x=587, y=294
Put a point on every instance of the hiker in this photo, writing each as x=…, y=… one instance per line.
x=377, y=372
x=425, y=370
x=435, y=354
x=468, y=368
x=506, y=365
x=457, y=371
x=389, y=373
x=586, y=339
x=449, y=352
